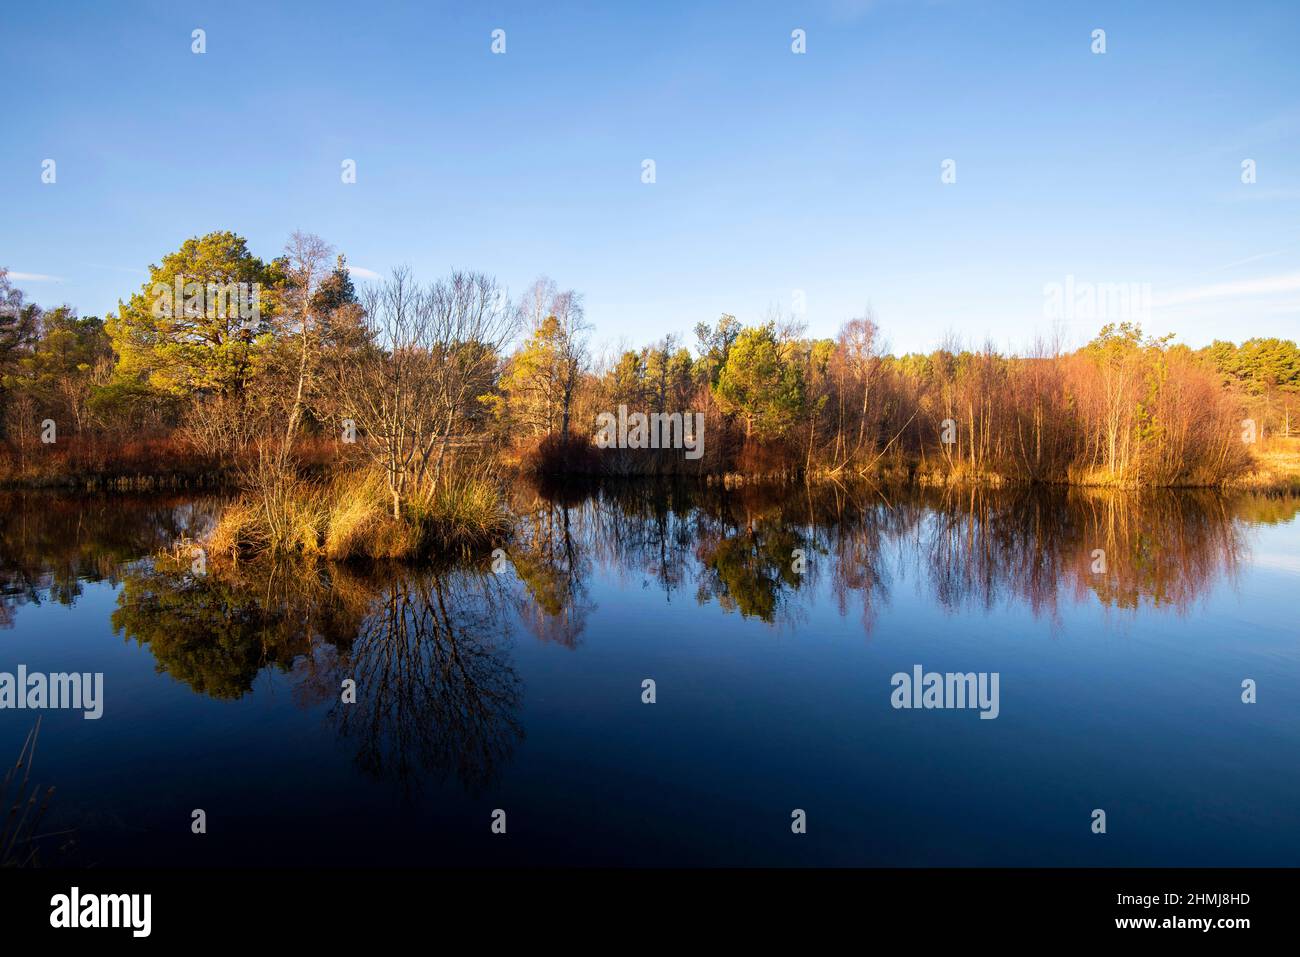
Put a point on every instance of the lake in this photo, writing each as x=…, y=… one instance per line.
x=772, y=623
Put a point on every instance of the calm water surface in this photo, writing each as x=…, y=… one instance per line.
x=522, y=690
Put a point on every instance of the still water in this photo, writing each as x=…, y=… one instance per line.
x=1121, y=630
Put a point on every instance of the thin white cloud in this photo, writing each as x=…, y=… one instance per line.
x=1249, y=259
x=34, y=277
x=1251, y=193
x=1237, y=289
x=363, y=273
x=1286, y=563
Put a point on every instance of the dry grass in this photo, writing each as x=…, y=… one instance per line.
x=350, y=517
x=360, y=524
x=464, y=513
x=93, y=461
x=1276, y=467
x=278, y=513
x=355, y=518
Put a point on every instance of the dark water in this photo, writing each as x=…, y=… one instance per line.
x=1119, y=690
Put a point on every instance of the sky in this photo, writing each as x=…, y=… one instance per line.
x=807, y=184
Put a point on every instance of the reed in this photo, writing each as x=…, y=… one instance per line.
x=24, y=806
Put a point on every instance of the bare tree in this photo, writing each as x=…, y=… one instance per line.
x=859, y=345
x=388, y=388
x=572, y=350
x=306, y=264
x=472, y=323
x=432, y=353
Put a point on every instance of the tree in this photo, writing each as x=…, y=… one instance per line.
x=343, y=336
x=859, y=348
x=471, y=326
x=1116, y=352
x=389, y=388
x=338, y=310
x=69, y=358
x=626, y=381
x=430, y=356
x=1271, y=369
x=201, y=319
x=542, y=378
x=304, y=270
x=714, y=345
x=19, y=321
x=759, y=383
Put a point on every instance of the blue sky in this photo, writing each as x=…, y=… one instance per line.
x=775, y=172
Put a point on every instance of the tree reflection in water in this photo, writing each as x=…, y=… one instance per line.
x=435, y=688
x=974, y=547
x=51, y=543
x=551, y=555
x=430, y=647
x=428, y=650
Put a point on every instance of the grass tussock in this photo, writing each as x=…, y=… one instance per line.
x=351, y=516
x=462, y=514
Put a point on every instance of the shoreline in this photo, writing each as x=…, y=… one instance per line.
x=1277, y=473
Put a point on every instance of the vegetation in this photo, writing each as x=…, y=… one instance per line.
x=384, y=422
x=24, y=806
x=436, y=689
x=215, y=627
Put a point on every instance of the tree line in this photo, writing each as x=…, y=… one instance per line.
x=416, y=383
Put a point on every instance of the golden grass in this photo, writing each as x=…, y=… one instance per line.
x=289, y=516
x=464, y=513
x=1276, y=467
x=358, y=519
x=350, y=517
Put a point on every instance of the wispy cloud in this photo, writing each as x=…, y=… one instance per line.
x=34, y=277
x=1274, y=195
x=1249, y=139
x=1236, y=289
x=1241, y=262
x=1287, y=563
x=363, y=273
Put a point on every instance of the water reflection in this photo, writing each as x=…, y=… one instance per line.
x=435, y=693
x=1161, y=549
x=217, y=631
x=552, y=557
x=430, y=647
x=973, y=548
x=52, y=544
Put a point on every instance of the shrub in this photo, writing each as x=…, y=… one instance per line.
x=554, y=454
